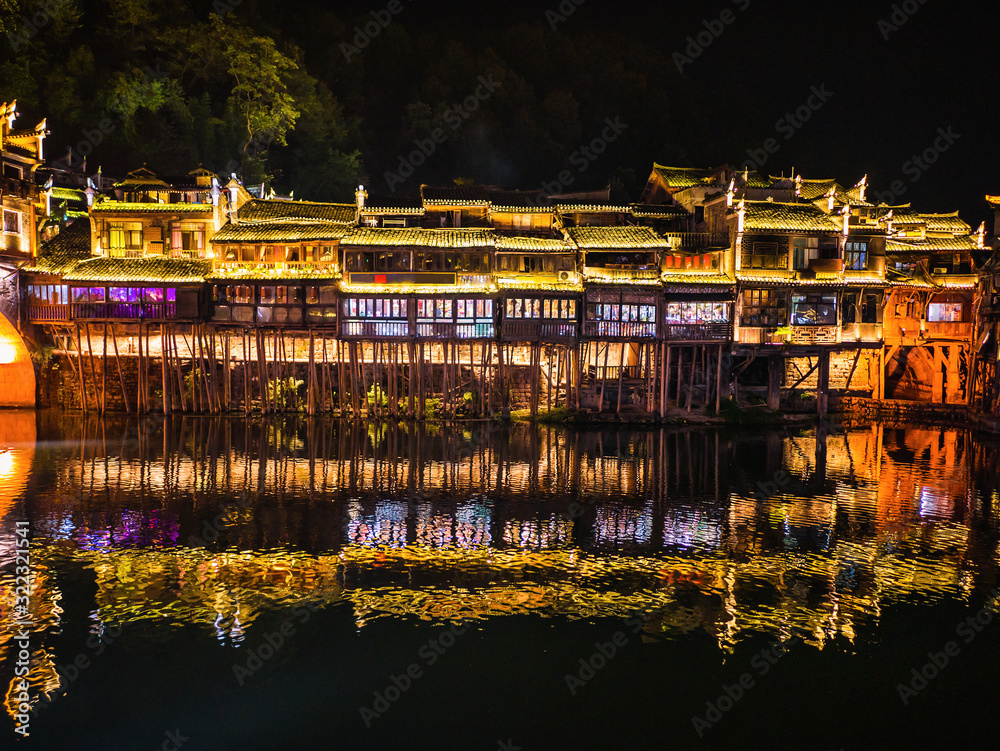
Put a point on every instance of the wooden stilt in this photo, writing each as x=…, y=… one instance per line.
x=621, y=374
x=121, y=372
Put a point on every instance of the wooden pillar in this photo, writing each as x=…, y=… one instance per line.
x=718, y=379
x=163, y=369
x=775, y=366
x=823, y=383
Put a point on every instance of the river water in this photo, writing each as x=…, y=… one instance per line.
x=212, y=583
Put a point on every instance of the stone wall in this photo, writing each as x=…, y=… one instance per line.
x=864, y=378
x=870, y=409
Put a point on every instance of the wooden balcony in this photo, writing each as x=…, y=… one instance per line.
x=948, y=330
x=40, y=313
x=815, y=335
x=123, y=311
x=619, y=330
x=624, y=275
x=683, y=241
x=352, y=328
x=517, y=330
x=696, y=332
x=231, y=267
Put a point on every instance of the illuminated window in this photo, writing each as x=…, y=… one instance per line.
x=945, y=312
x=12, y=222
x=764, y=307
x=856, y=256
x=697, y=312
x=814, y=310
x=123, y=237
x=188, y=239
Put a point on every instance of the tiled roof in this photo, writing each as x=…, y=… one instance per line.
x=274, y=273
x=507, y=201
x=932, y=245
x=124, y=207
x=64, y=251
x=270, y=210
x=412, y=205
x=685, y=177
x=141, y=177
x=699, y=279
x=810, y=190
x=430, y=238
x=279, y=232
x=788, y=217
x=993, y=200
x=68, y=194
x=591, y=208
x=139, y=270
x=506, y=243
x=906, y=216
x=597, y=238
x=658, y=211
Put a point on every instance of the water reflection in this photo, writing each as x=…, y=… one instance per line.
x=212, y=522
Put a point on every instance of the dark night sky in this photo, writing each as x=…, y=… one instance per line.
x=889, y=95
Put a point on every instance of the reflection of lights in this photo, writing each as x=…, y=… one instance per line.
x=6, y=464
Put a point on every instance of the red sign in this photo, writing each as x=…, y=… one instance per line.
x=380, y=279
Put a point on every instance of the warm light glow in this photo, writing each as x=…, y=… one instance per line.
x=8, y=352
x=6, y=464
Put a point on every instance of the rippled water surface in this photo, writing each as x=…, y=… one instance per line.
x=210, y=583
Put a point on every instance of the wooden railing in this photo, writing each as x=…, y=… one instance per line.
x=123, y=310
x=367, y=329
x=602, y=273
x=815, y=334
x=258, y=265
x=696, y=331
x=533, y=330
x=45, y=312
x=619, y=329
x=697, y=240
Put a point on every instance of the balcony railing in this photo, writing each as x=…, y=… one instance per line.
x=688, y=332
x=815, y=335
x=609, y=274
x=535, y=330
x=43, y=312
x=619, y=329
x=124, y=310
x=445, y=330
x=356, y=329
x=697, y=240
x=232, y=266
